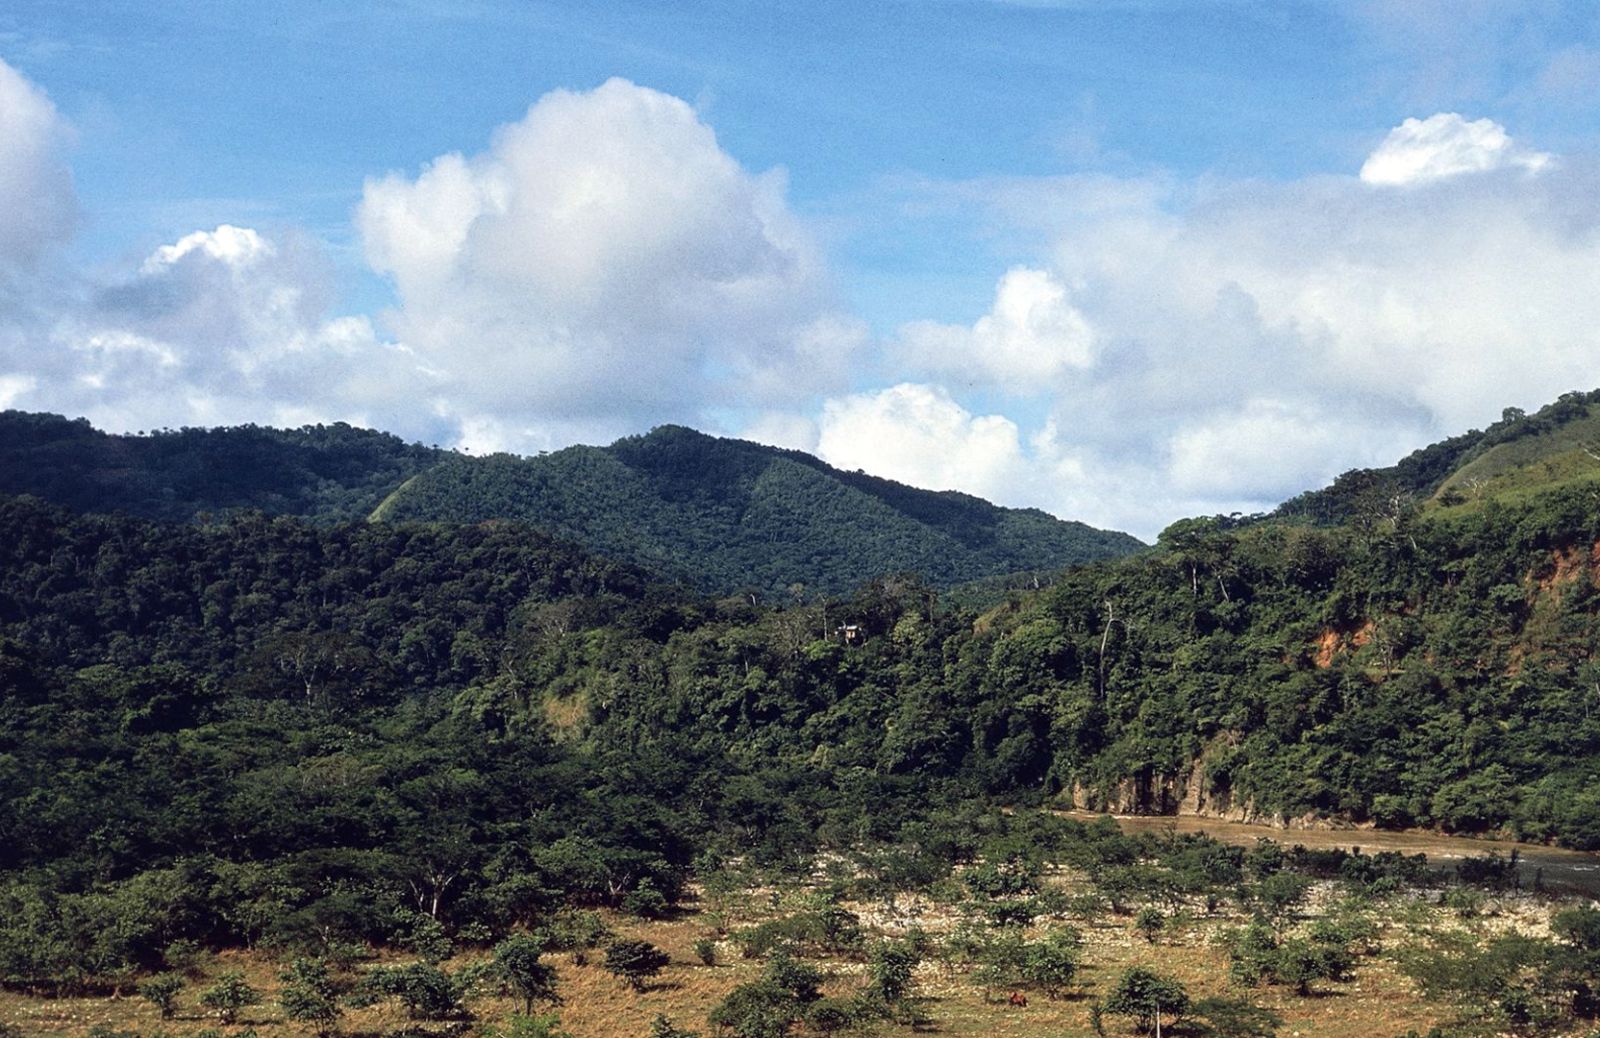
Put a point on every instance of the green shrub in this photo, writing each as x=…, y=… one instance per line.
x=1145, y=995
x=229, y=995
x=162, y=991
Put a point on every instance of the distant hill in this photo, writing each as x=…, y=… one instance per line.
x=721, y=515
x=323, y=472
x=725, y=515
x=1519, y=455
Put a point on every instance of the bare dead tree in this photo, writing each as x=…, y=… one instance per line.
x=1105, y=639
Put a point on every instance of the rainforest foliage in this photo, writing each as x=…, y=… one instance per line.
x=266, y=730
x=728, y=515
x=722, y=515
x=328, y=472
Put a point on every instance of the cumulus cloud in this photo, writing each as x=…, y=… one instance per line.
x=1032, y=335
x=602, y=266
x=1250, y=340
x=605, y=260
x=1446, y=145
x=37, y=205
x=222, y=327
x=919, y=434
x=1253, y=452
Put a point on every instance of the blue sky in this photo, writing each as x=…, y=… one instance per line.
x=1126, y=261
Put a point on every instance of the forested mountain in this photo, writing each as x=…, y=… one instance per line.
x=726, y=515
x=723, y=515
x=321, y=472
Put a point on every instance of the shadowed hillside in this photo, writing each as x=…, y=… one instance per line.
x=723, y=515
x=726, y=515
x=326, y=472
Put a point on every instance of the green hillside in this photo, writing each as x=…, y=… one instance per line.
x=324, y=472
x=722, y=515
x=727, y=515
x=1546, y=457
x=1519, y=455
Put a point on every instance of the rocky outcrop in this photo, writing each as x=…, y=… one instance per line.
x=1192, y=795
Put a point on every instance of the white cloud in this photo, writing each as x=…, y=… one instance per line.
x=14, y=387
x=918, y=434
x=223, y=327
x=1446, y=145
x=1252, y=340
x=1032, y=335
x=37, y=205
x=781, y=429
x=606, y=263
x=601, y=267
x=1252, y=453
x=235, y=246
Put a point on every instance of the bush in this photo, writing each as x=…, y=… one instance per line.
x=1579, y=927
x=309, y=995
x=427, y=992
x=1251, y=952
x=162, y=991
x=1051, y=964
x=705, y=949
x=425, y=935
x=891, y=968
x=1149, y=922
x=1144, y=995
x=229, y=995
x=646, y=901
x=635, y=961
x=516, y=963
x=755, y=1010
x=1001, y=958
x=1300, y=962
x=1280, y=894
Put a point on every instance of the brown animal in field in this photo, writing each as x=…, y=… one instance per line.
x=1018, y=999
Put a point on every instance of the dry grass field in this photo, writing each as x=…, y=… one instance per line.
x=1377, y=1003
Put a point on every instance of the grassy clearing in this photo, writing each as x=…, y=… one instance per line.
x=1379, y=1001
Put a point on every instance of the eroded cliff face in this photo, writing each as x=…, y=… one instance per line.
x=1190, y=795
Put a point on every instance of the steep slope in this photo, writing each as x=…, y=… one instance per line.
x=1520, y=454
x=726, y=515
x=320, y=472
x=1544, y=457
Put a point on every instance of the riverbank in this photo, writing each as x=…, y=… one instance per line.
x=1555, y=869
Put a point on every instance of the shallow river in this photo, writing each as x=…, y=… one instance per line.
x=1560, y=871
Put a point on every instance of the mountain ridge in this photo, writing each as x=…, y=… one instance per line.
x=726, y=514
x=723, y=515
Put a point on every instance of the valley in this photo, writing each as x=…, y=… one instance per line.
x=374, y=774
